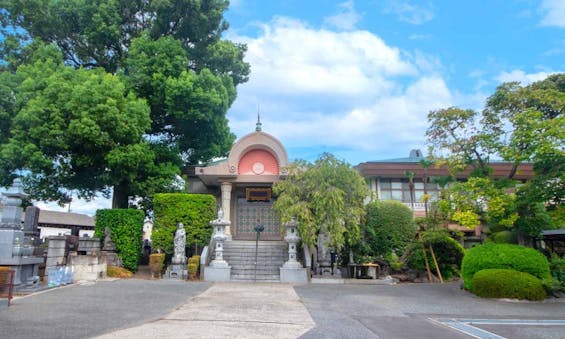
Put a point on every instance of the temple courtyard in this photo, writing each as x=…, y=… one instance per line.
x=137, y=308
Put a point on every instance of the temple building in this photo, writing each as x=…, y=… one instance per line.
x=243, y=184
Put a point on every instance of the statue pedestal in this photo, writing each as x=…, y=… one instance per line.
x=177, y=272
x=294, y=275
x=217, y=273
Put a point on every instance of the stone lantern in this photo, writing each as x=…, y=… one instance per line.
x=219, y=237
x=292, y=239
x=292, y=270
x=219, y=269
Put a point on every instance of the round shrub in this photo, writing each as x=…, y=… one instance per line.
x=449, y=254
x=505, y=256
x=389, y=227
x=503, y=283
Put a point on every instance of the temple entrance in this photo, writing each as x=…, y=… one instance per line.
x=249, y=213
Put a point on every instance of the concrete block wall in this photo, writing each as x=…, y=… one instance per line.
x=87, y=267
x=55, y=251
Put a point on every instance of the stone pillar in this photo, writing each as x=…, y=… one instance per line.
x=226, y=204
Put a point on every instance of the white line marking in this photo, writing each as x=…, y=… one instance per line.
x=466, y=325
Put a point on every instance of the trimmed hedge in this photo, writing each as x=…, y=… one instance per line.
x=503, y=256
x=195, y=211
x=126, y=227
x=504, y=283
x=389, y=227
x=156, y=264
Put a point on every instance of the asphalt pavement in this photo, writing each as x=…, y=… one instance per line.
x=171, y=309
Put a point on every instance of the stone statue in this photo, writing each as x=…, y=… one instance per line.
x=180, y=244
x=108, y=243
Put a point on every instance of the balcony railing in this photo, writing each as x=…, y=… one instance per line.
x=417, y=206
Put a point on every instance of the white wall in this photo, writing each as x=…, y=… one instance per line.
x=45, y=232
x=90, y=233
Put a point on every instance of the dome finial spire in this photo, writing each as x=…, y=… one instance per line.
x=258, y=125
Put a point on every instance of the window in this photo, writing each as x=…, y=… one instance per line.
x=399, y=189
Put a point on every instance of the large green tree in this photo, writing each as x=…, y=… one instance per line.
x=72, y=128
x=169, y=53
x=326, y=196
x=519, y=124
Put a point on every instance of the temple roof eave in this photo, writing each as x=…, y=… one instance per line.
x=216, y=180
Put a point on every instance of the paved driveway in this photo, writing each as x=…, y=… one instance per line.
x=405, y=310
x=83, y=311
x=141, y=308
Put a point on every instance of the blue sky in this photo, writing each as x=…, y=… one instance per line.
x=357, y=78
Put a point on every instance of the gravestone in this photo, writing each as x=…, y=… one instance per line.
x=31, y=222
x=16, y=250
x=109, y=250
x=324, y=257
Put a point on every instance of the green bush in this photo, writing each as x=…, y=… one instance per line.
x=504, y=256
x=449, y=254
x=192, y=270
x=156, y=264
x=195, y=259
x=557, y=268
x=126, y=227
x=193, y=265
x=505, y=237
x=195, y=211
x=389, y=228
x=506, y=283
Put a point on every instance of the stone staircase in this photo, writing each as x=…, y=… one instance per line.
x=240, y=255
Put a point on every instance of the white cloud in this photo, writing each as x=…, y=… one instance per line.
x=553, y=13
x=420, y=37
x=290, y=57
x=348, y=91
x=77, y=205
x=412, y=14
x=522, y=77
x=346, y=19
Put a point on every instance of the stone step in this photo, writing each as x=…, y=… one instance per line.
x=259, y=249
x=259, y=257
x=261, y=277
x=252, y=263
x=271, y=255
x=252, y=268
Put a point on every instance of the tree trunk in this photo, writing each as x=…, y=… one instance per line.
x=513, y=171
x=120, y=195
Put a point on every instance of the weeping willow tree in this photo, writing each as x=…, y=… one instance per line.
x=326, y=196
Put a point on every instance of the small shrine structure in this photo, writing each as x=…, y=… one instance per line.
x=243, y=184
